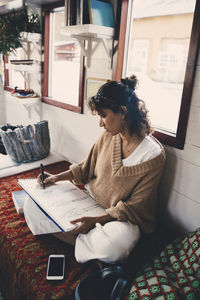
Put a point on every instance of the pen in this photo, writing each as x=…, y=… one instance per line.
x=42, y=175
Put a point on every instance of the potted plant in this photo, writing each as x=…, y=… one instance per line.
x=12, y=25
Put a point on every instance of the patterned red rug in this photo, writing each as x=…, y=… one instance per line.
x=23, y=257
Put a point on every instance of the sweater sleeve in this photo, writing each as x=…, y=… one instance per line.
x=140, y=207
x=84, y=171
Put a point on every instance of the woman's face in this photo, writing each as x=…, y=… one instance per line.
x=112, y=122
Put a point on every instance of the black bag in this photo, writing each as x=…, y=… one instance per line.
x=26, y=143
x=107, y=284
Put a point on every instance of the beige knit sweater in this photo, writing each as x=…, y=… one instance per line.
x=126, y=192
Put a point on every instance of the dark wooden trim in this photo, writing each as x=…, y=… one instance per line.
x=81, y=83
x=167, y=139
x=118, y=18
x=116, y=39
x=50, y=6
x=8, y=88
x=189, y=77
x=6, y=73
x=59, y=104
x=45, y=69
x=179, y=140
x=121, y=44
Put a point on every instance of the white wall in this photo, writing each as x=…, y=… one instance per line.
x=180, y=185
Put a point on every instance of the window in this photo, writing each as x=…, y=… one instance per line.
x=1, y=69
x=14, y=78
x=17, y=78
x=160, y=48
x=63, y=65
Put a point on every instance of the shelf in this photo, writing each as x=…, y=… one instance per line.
x=89, y=30
x=31, y=68
x=24, y=101
x=30, y=37
x=91, y=33
x=27, y=65
x=24, y=69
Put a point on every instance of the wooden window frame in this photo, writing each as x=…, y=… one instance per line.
x=45, y=84
x=6, y=75
x=179, y=140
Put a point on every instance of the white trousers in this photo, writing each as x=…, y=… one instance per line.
x=110, y=243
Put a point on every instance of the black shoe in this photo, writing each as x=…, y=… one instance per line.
x=107, y=284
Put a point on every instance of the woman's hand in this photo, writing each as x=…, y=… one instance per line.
x=87, y=223
x=49, y=178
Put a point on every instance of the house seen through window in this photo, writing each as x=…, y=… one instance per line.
x=156, y=51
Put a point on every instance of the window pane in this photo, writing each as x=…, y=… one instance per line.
x=17, y=78
x=64, y=62
x=158, y=45
x=1, y=69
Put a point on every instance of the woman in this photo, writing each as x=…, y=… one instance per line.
x=121, y=171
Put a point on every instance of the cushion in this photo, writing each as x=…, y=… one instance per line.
x=174, y=274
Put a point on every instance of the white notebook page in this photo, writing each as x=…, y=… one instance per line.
x=62, y=201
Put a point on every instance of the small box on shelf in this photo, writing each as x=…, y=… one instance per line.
x=22, y=61
x=101, y=13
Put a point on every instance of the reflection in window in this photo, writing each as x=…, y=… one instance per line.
x=64, y=62
x=139, y=56
x=157, y=53
x=16, y=78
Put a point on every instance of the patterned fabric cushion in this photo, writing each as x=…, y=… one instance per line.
x=174, y=274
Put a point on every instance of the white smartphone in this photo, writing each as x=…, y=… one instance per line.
x=56, y=267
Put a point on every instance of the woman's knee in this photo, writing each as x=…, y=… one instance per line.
x=122, y=234
x=109, y=243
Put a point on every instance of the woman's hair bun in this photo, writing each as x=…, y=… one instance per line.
x=131, y=81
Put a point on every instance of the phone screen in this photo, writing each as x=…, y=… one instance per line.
x=55, y=267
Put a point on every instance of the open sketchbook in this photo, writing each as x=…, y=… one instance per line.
x=62, y=202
